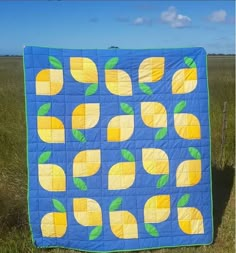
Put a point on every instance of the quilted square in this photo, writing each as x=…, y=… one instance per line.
x=118, y=148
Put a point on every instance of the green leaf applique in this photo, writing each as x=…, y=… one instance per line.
x=161, y=133
x=78, y=135
x=127, y=108
x=95, y=233
x=80, y=184
x=55, y=62
x=190, y=62
x=115, y=204
x=194, y=153
x=58, y=205
x=127, y=155
x=43, y=109
x=151, y=230
x=183, y=200
x=145, y=89
x=92, y=89
x=111, y=63
x=44, y=157
x=162, y=181
x=180, y=106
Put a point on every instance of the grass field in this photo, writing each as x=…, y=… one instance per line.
x=14, y=229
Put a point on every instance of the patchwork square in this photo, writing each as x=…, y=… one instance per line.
x=118, y=148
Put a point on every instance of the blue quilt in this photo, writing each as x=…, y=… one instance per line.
x=118, y=148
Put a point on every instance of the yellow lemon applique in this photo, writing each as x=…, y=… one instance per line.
x=185, y=80
x=50, y=81
x=50, y=129
x=118, y=82
x=189, y=218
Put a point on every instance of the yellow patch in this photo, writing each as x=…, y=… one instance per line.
x=123, y=224
x=83, y=70
x=49, y=82
x=151, y=69
x=87, y=212
x=54, y=225
x=85, y=116
x=184, y=81
x=153, y=114
x=190, y=220
x=120, y=128
x=87, y=163
x=155, y=161
x=187, y=126
x=157, y=209
x=118, y=82
x=52, y=177
x=188, y=173
x=121, y=176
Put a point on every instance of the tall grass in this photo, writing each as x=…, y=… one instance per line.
x=14, y=229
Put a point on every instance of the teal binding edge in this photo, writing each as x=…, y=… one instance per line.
x=27, y=151
x=125, y=250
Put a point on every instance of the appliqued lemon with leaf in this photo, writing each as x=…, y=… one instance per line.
x=156, y=162
x=150, y=70
x=118, y=81
x=84, y=116
x=54, y=224
x=51, y=176
x=84, y=70
x=154, y=115
x=122, y=175
x=123, y=223
x=185, y=80
x=85, y=164
x=189, y=172
x=88, y=213
x=187, y=125
x=50, y=81
x=156, y=210
x=50, y=129
x=121, y=128
x=189, y=218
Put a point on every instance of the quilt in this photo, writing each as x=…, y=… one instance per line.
x=118, y=148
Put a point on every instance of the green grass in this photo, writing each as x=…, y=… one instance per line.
x=14, y=230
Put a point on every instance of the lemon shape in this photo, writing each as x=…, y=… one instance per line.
x=123, y=224
x=190, y=220
x=120, y=128
x=153, y=114
x=118, y=82
x=151, y=69
x=85, y=116
x=52, y=177
x=51, y=129
x=157, y=209
x=187, y=126
x=83, y=70
x=188, y=173
x=87, y=163
x=155, y=161
x=121, y=176
x=184, y=81
x=49, y=82
x=54, y=224
x=87, y=212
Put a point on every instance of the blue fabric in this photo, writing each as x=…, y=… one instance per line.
x=144, y=187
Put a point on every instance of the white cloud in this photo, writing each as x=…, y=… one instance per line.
x=175, y=19
x=218, y=16
x=142, y=21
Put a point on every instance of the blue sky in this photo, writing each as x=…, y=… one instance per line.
x=126, y=24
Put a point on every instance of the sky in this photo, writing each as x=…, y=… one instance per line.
x=125, y=24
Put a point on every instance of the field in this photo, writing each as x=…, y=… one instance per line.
x=14, y=230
